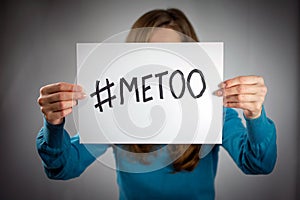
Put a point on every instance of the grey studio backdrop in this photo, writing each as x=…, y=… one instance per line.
x=38, y=47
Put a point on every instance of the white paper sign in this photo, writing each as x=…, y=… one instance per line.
x=141, y=93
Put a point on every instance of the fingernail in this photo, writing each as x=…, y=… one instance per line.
x=82, y=95
x=222, y=85
x=219, y=93
x=78, y=88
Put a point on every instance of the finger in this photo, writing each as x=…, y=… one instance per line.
x=247, y=80
x=58, y=115
x=222, y=85
x=243, y=98
x=219, y=92
x=60, y=96
x=251, y=106
x=241, y=89
x=57, y=106
x=60, y=87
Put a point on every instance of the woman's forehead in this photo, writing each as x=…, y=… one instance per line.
x=164, y=35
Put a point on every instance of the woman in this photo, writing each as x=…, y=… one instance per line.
x=253, y=148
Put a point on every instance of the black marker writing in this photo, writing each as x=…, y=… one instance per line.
x=132, y=86
x=160, y=75
x=97, y=93
x=182, y=81
x=189, y=85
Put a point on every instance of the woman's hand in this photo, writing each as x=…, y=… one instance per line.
x=57, y=100
x=245, y=92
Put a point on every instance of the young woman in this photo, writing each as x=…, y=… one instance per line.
x=253, y=148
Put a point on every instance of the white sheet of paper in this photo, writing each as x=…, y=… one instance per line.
x=145, y=115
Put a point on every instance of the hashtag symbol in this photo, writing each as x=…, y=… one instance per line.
x=97, y=93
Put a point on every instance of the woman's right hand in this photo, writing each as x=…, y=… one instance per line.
x=57, y=100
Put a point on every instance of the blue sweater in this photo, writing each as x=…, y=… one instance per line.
x=253, y=149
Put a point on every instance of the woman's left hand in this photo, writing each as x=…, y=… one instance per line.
x=245, y=92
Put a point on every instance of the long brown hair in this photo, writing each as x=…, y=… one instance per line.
x=173, y=19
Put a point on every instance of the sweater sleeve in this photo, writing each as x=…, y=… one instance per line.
x=64, y=157
x=253, y=148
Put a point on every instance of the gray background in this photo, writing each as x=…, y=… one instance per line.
x=38, y=47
